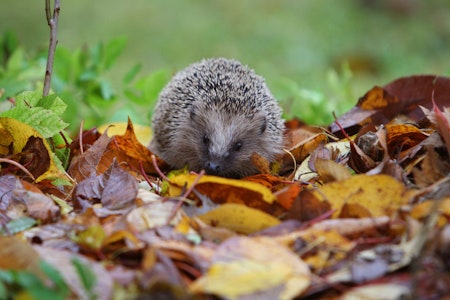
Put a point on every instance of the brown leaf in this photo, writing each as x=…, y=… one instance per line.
x=25, y=145
x=85, y=165
x=21, y=198
x=116, y=189
x=403, y=96
x=307, y=207
x=16, y=254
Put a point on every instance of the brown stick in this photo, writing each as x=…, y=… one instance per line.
x=52, y=21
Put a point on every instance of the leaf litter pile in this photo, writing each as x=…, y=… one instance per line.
x=356, y=210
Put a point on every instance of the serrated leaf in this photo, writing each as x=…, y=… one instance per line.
x=31, y=99
x=53, y=103
x=28, y=98
x=43, y=120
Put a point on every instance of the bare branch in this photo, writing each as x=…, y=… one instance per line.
x=48, y=13
x=52, y=21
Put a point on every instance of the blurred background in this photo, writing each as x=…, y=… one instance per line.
x=317, y=56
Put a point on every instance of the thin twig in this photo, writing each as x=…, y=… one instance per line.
x=52, y=21
x=13, y=162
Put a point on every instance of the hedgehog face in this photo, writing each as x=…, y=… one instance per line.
x=224, y=145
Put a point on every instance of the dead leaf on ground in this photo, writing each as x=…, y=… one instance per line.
x=381, y=195
x=245, y=267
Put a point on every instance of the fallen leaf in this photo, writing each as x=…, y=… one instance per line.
x=245, y=267
x=239, y=218
x=143, y=133
x=30, y=149
x=382, y=195
x=115, y=189
x=226, y=190
x=403, y=96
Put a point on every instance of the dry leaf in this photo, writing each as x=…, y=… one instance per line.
x=239, y=218
x=30, y=149
x=225, y=190
x=244, y=267
x=382, y=195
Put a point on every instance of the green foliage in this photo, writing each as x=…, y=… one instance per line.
x=80, y=78
x=19, y=283
x=317, y=107
x=87, y=277
x=17, y=225
x=41, y=113
x=16, y=284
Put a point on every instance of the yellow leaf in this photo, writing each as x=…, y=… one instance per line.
x=424, y=209
x=381, y=195
x=239, y=218
x=93, y=237
x=21, y=135
x=254, y=267
x=143, y=133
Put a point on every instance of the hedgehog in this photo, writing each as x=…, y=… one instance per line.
x=214, y=115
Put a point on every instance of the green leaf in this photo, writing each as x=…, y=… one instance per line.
x=28, y=99
x=112, y=50
x=16, y=61
x=131, y=74
x=86, y=274
x=150, y=86
x=54, y=103
x=106, y=90
x=3, y=291
x=55, y=276
x=43, y=120
x=18, y=225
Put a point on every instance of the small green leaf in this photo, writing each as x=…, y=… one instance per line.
x=16, y=60
x=20, y=224
x=131, y=74
x=112, y=50
x=106, y=90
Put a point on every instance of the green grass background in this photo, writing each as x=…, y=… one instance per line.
x=295, y=45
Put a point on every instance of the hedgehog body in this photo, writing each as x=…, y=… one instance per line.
x=213, y=115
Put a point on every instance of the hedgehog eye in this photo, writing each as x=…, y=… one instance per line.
x=206, y=140
x=237, y=146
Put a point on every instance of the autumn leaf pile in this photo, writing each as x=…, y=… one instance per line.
x=356, y=210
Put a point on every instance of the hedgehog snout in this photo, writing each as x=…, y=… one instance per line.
x=213, y=168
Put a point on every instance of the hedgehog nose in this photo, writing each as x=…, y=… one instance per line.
x=212, y=168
